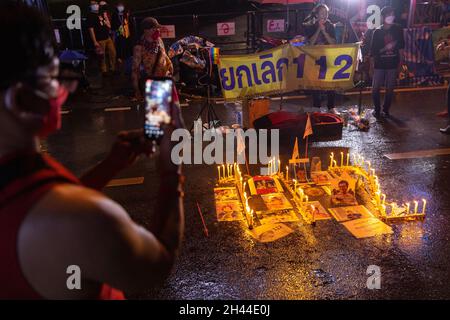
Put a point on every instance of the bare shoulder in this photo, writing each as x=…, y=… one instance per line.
x=71, y=225
x=74, y=215
x=73, y=209
x=68, y=201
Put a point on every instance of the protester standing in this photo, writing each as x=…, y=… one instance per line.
x=387, y=54
x=99, y=26
x=120, y=23
x=320, y=31
x=150, y=54
x=446, y=130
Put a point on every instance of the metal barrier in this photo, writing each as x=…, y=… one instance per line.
x=235, y=32
x=69, y=39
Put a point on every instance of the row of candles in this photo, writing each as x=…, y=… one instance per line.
x=334, y=164
x=230, y=171
x=227, y=171
x=274, y=166
x=358, y=160
x=416, y=207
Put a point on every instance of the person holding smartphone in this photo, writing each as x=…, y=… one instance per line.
x=320, y=31
x=51, y=220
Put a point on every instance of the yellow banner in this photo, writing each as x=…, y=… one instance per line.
x=288, y=68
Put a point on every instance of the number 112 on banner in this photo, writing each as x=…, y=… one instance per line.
x=288, y=68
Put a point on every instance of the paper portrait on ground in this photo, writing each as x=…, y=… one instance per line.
x=315, y=211
x=270, y=232
x=276, y=201
x=342, y=214
x=225, y=194
x=229, y=211
x=276, y=216
x=367, y=227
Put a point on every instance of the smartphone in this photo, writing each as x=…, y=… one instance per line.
x=158, y=105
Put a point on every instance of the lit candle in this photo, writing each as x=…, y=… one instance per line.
x=383, y=209
x=424, y=205
x=377, y=198
x=313, y=211
x=348, y=159
x=287, y=173
x=407, y=208
x=295, y=186
x=331, y=160
x=218, y=169
x=416, y=206
x=302, y=194
x=245, y=184
x=223, y=169
x=383, y=197
x=392, y=208
x=342, y=159
x=279, y=165
x=306, y=199
x=334, y=163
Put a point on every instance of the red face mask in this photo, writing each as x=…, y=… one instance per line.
x=156, y=35
x=52, y=121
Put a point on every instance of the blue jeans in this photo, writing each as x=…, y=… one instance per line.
x=383, y=78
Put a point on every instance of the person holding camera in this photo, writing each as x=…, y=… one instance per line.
x=51, y=221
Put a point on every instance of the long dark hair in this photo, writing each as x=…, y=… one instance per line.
x=29, y=42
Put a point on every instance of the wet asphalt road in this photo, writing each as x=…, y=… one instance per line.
x=325, y=262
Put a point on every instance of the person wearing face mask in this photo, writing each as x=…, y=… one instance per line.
x=387, y=56
x=50, y=219
x=99, y=26
x=120, y=23
x=150, y=54
x=320, y=31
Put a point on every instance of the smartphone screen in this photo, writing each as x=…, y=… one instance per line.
x=158, y=101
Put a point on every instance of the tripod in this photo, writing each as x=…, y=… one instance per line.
x=211, y=116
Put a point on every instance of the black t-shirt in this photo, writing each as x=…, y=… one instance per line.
x=310, y=29
x=385, y=47
x=96, y=21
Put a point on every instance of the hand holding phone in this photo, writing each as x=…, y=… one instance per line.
x=158, y=106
